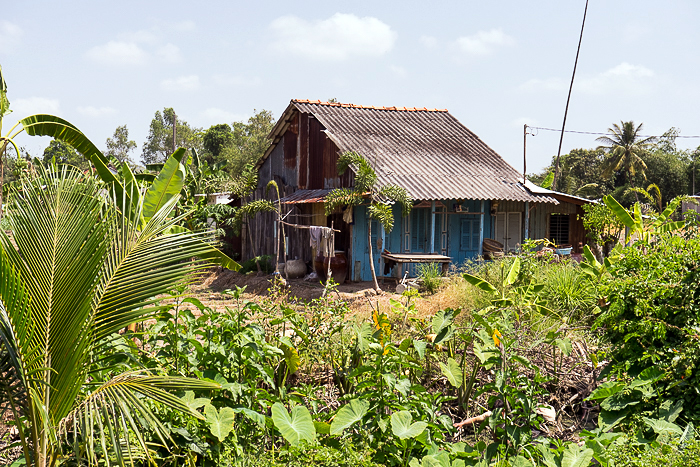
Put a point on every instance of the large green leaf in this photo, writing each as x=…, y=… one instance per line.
x=513, y=272
x=220, y=422
x=605, y=390
x=348, y=415
x=480, y=283
x=576, y=456
x=296, y=426
x=662, y=426
x=620, y=212
x=167, y=185
x=50, y=125
x=402, y=427
x=452, y=372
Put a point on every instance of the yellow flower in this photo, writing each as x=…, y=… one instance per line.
x=496, y=337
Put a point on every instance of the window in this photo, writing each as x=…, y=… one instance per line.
x=559, y=228
x=469, y=234
x=419, y=229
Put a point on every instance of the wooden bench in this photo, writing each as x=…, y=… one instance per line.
x=407, y=258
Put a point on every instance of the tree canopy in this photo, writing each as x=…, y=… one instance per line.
x=119, y=146
x=159, y=144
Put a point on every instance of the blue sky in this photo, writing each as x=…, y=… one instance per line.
x=494, y=65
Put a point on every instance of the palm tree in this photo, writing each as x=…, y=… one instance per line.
x=365, y=187
x=624, y=147
x=85, y=259
x=77, y=269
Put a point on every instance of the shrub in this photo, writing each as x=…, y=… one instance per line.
x=266, y=264
x=651, y=319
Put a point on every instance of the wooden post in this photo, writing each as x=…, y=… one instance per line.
x=527, y=220
x=481, y=230
x=432, y=226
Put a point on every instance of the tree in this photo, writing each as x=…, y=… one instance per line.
x=78, y=269
x=249, y=142
x=215, y=139
x=61, y=153
x=381, y=199
x=159, y=143
x=86, y=259
x=119, y=146
x=624, y=148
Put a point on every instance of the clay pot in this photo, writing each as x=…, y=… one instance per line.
x=339, y=266
x=295, y=268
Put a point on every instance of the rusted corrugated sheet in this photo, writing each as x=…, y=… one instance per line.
x=305, y=196
x=426, y=151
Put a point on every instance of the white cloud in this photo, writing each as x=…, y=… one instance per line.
x=96, y=111
x=10, y=35
x=34, y=105
x=484, y=42
x=428, y=41
x=337, y=38
x=182, y=83
x=169, y=53
x=213, y=115
x=624, y=78
x=118, y=53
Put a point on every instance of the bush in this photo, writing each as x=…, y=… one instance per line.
x=266, y=265
x=655, y=454
x=651, y=320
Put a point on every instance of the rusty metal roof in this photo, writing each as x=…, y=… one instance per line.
x=426, y=151
x=305, y=196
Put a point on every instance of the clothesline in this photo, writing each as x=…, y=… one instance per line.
x=297, y=226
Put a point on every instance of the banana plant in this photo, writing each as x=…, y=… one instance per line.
x=635, y=223
x=522, y=297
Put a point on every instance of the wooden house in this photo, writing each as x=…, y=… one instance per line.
x=464, y=191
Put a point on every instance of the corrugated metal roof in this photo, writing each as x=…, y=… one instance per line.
x=305, y=196
x=426, y=151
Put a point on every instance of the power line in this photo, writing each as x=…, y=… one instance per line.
x=606, y=134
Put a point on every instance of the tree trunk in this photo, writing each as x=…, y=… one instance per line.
x=371, y=256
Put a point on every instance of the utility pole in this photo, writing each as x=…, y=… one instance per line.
x=566, y=110
x=524, y=153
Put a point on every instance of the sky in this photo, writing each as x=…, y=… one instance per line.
x=495, y=66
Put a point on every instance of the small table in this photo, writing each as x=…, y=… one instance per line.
x=407, y=258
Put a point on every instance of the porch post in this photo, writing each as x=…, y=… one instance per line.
x=481, y=230
x=432, y=226
x=527, y=220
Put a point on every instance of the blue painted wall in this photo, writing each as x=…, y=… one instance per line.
x=462, y=235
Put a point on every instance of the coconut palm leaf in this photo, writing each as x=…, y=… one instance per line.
x=77, y=269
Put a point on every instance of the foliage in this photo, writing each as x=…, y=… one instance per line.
x=119, y=145
x=69, y=278
x=672, y=453
x=60, y=153
x=624, y=147
x=380, y=198
x=247, y=142
x=651, y=317
x=603, y=226
x=215, y=139
x=431, y=276
x=634, y=220
x=159, y=143
x=265, y=262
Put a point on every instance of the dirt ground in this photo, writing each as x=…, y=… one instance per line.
x=209, y=289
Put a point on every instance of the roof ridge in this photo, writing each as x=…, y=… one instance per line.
x=370, y=107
